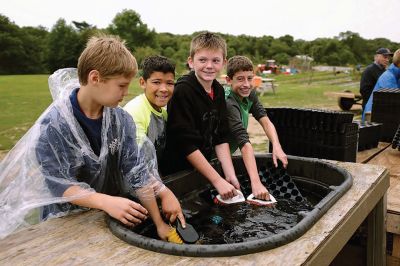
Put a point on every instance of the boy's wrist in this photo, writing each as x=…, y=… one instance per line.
x=164, y=193
x=275, y=144
x=100, y=200
x=216, y=179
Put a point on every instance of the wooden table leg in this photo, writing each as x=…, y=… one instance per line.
x=376, y=246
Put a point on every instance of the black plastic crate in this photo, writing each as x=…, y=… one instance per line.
x=369, y=134
x=316, y=133
x=386, y=110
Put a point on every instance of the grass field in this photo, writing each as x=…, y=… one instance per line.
x=25, y=97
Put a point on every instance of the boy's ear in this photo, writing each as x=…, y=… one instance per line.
x=94, y=77
x=142, y=83
x=190, y=62
x=228, y=79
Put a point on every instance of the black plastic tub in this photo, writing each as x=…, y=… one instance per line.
x=328, y=181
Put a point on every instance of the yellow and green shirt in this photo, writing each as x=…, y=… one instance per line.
x=149, y=122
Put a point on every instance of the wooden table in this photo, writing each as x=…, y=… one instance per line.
x=85, y=238
x=384, y=155
x=265, y=85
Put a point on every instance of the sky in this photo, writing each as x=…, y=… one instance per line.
x=302, y=19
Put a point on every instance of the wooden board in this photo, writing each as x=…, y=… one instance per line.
x=392, y=261
x=85, y=239
x=389, y=158
x=364, y=155
x=349, y=95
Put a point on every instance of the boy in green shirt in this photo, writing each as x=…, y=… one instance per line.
x=241, y=100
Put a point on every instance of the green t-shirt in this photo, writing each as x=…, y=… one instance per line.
x=244, y=107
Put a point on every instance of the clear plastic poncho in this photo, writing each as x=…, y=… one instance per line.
x=55, y=154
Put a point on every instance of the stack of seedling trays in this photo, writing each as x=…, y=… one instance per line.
x=369, y=133
x=396, y=139
x=316, y=133
x=386, y=110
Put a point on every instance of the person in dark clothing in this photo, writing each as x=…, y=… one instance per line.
x=389, y=79
x=372, y=72
x=197, y=126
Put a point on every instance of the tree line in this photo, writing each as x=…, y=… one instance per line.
x=31, y=50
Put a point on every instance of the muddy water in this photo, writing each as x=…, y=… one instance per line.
x=242, y=222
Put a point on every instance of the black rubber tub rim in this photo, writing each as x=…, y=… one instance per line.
x=236, y=249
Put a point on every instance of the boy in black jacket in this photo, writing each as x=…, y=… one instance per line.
x=197, y=126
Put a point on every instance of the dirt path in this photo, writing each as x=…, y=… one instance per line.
x=257, y=136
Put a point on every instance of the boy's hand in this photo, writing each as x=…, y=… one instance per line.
x=171, y=207
x=278, y=154
x=233, y=181
x=259, y=190
x=225, y=189
x=126, y=211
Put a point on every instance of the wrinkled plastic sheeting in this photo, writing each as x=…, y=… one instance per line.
x=24, y=187
x=62, y=82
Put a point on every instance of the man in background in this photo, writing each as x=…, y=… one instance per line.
x=372, y=73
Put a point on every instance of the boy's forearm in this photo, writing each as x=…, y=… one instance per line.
x=250, y=162
x=150, y=203
x=200, y=163
x=224, y=156
x=269, y=130
x=91, y=200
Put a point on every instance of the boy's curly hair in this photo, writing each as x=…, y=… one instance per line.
x=207, y=40
x=238, y=63
x=156, y=63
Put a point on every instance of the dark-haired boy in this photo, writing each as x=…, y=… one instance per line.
x=148, y=109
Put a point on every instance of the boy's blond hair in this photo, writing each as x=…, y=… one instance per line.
x=207, y=40
x=238, y=63
x=108, y=55
x=396, y=58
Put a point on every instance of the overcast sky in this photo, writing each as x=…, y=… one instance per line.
x=303, y=19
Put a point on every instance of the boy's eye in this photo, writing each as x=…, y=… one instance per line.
x=217, y=60
x=156, y=82
x=202, y=60
x=170, y=83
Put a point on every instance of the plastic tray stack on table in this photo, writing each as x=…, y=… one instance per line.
x=316, y=133
x=386, y=110
x=369, y=133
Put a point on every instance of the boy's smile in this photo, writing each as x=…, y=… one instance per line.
x=158, y=88
x=241, y=83
x=207, y=64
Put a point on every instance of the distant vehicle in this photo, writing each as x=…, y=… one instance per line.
x=269, y=66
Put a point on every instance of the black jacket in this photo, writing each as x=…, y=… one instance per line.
x=195, y=122
x=368, y=80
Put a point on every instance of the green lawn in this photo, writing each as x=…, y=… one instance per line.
x=25, y=97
